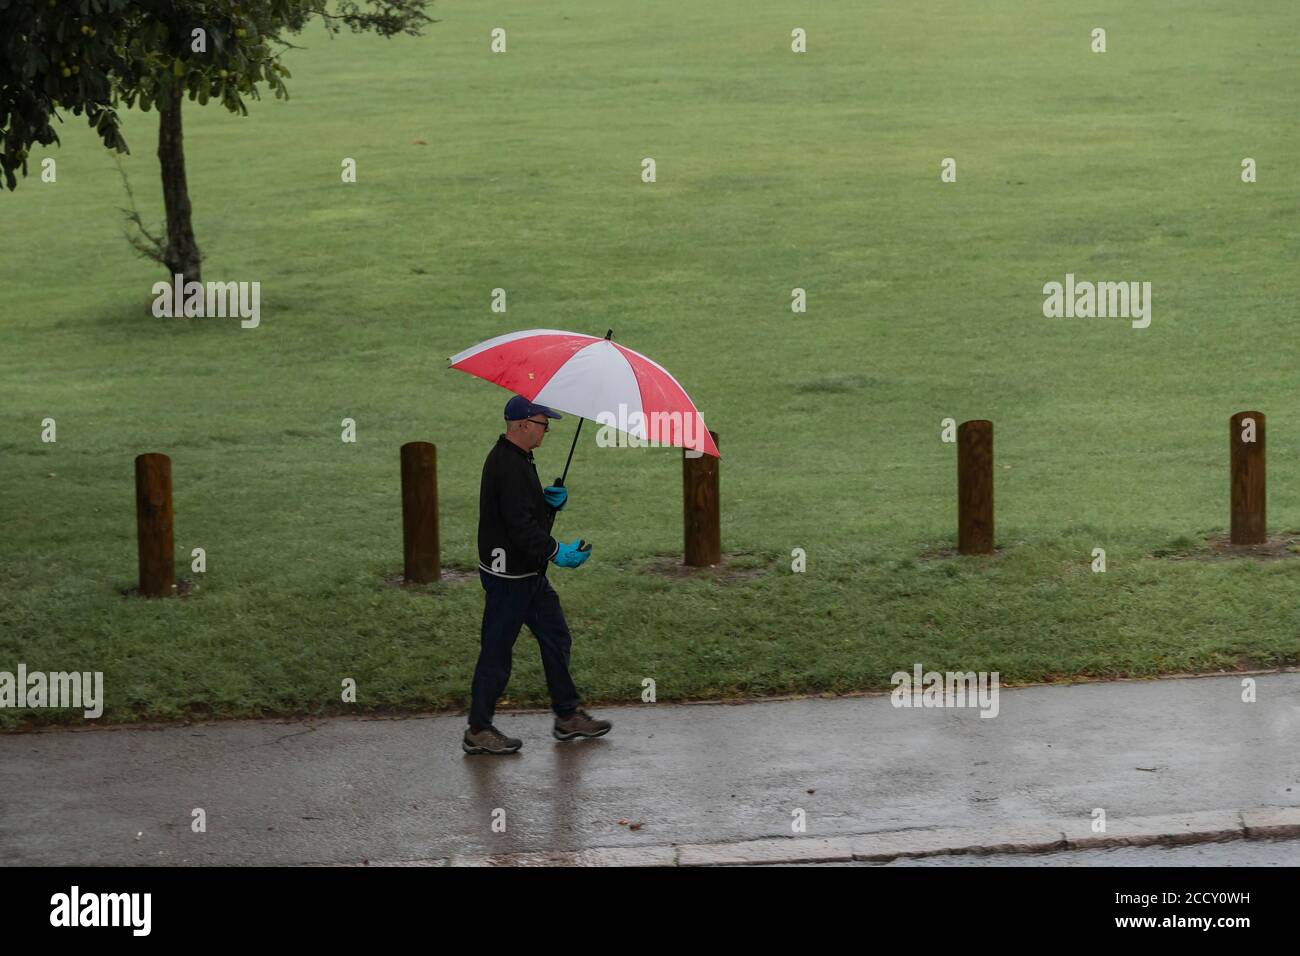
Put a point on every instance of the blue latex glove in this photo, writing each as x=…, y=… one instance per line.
x=568, y=555
x=556, y=496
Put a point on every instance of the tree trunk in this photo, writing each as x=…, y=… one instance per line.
x=182, y=255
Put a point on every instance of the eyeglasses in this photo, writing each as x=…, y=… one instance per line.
x=546, y=426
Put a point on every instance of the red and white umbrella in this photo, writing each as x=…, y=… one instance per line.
x=594, y=378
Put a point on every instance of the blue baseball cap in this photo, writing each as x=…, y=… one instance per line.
x=520, y=407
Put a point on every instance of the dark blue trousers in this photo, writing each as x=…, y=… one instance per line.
x=510, y=604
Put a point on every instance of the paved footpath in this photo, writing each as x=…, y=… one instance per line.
x=1172, y=760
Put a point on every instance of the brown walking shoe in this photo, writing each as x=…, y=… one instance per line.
x=489, y=740
x=579, y=724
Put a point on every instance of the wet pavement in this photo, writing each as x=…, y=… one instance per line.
x=1265, y=853
x=346, y=790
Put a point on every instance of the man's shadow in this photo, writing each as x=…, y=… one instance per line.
x=544, y=770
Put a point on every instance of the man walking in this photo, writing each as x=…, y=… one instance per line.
x=515, y=516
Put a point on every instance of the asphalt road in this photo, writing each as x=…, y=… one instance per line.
x=1249, y=853
x=348, y=790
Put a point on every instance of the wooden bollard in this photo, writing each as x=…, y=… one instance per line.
x=420, y=512
x=153, y=525
x=975, y=487
x=702, y=509
x=1246, y=443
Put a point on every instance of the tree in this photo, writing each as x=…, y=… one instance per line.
x=90, y=57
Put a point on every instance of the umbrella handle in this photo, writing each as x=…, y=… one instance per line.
x=559, y=482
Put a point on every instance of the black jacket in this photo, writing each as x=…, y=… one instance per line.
x=513, y=514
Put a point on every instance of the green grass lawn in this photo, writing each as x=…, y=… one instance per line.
x=775, y=171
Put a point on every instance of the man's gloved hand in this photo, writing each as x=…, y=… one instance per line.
x=556, y=496
x=568, y=555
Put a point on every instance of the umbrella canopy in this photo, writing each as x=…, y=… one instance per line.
x=594, y=378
